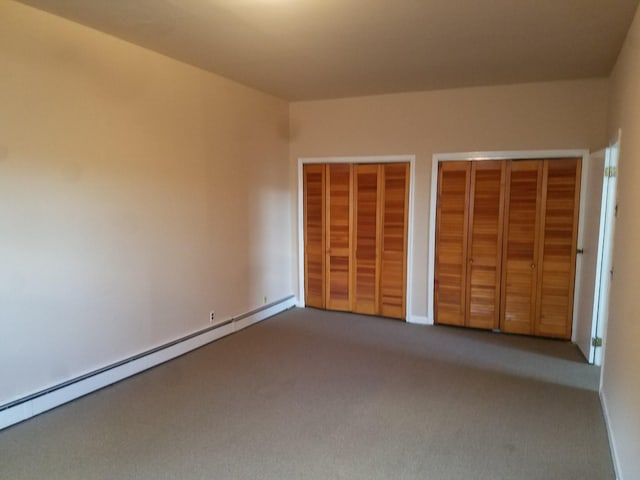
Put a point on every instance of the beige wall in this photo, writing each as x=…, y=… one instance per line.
x=136, y=195
x=561, y=115
x=621, y=374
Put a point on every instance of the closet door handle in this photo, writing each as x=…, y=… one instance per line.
x=533, y=266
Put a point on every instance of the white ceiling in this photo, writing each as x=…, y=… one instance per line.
x=312, y=49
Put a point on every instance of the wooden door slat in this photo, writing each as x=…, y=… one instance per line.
x=523, y=196
x=557, y=249
x=484, y=244
x=366, y=234
x=314, y=234
x=338, y=237
x=451, y=242
x=394, y=201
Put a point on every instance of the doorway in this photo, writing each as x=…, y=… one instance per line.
x=550, y=156
x=506, y=245
x=597, y=238
x=335, y=277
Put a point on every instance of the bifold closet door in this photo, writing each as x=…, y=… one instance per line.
x=469, y=227
x=506, y=245
x=395, y=205
x=355, y=228
x=484, y=244
x=452, y=209
x=557, y=247
x=520, y=251
x=540, y=247
x=367, y=225
x=314, y=235
x=338, y=261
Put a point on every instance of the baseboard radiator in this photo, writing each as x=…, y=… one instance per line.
x=51, y=397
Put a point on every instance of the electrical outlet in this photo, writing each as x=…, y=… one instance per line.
x=212, y=316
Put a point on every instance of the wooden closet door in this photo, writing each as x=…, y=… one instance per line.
x=366, y=237
x=520, y=253
x=557, y=247
x=393, y=274
x=451, y=242
x=484, y=244
x=314, y=235
x=338, y=240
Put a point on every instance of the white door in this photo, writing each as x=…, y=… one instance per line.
x=587, y=261
x=605, y=264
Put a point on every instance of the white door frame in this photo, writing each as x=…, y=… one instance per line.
x=506, y=155
x=411, y=159
x=587, y=323
x=606, y=242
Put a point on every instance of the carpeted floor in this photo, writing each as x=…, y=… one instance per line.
x=320, y=395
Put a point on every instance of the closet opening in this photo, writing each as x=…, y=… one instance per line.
x=504, y=241
x=355, y=230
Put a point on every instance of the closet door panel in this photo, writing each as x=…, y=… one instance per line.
x=451, y=242
x=367, y=209
x=338, y=239
x=394, y=200
x=520, y=252
x=485, y=244
x=314, y=234
x=558, y=248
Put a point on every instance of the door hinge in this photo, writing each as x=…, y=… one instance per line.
x=611, y=171
x=596, y=341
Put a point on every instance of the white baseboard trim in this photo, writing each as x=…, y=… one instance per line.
x=36, y=404
x=419, y=320
x=612, y=442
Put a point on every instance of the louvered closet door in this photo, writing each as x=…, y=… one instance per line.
x=314, y=235
x=395, y=195
x=338, y=218
x=557, y=249
x=485, y=244
x=366, y=268
x=520, y=252
x=451, y=242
